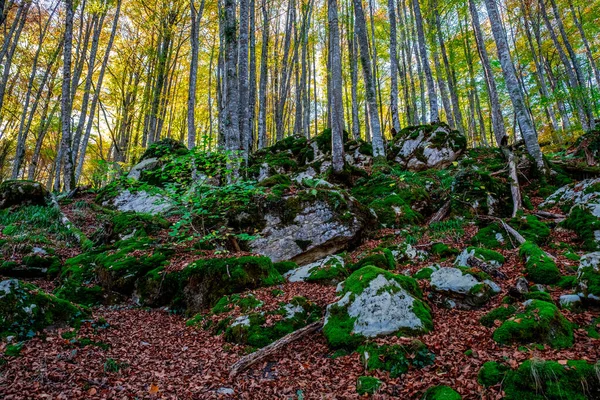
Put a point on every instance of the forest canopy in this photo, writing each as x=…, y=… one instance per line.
x=87, y=86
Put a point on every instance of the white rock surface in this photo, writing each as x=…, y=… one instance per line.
x=145, y=165
x=300, y=274
x=141, y=202
x=383, y=308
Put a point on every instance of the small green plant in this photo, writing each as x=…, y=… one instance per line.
x=113, y=366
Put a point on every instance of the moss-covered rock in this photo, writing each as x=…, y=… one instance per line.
x=19, y=193
x=375, y=302
x=441, y=392
x=329, y=271
x=426, y=146
x=551, y=380
x=538, y=322
x=491, y=237
x=309, y=224
x=531, y=228
x=244, y=302
x=463, y=287
x=539, y=267
x=367, y=385
x=379, y=257
x=254, y=330
x=205, y=281
x=477, y=191
x=585, y=225
x=491, y=373
x=164, y=147
x=588, y=277
x=25, y=310
x=396, y=359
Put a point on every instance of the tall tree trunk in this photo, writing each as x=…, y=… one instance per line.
x=335, y=97
x=66, y=102
x=243, y=90
x=393, y=68
x=512, y=84
x=196, y=16
x=361, y=33
x=252, y=81
x=433, y=104
x=262, y=89
x=231, y=126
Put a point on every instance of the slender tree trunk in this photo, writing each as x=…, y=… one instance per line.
x=196, y=16
x=244, y=111
x=250, y=137
x=512, y=84
x=393, y=68
x=66, y=102
x=231, y=127
x=262, y=89
x=361, y=33
x=335, y=97
x=433, y=104
x=95, y=99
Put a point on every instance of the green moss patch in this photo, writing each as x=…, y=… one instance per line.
x=441, y=392
x=395, y=359
x=25, y=310
x=367, y=385
x=531, y=228
x=551, y=380
x=584, y=224
x=540, y=322
x=255, y=330
x=491, y=373
x=539, y=267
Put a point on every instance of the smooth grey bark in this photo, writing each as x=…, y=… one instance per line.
x=196, y=17
x=243, y=90
x=252, y=81
x=361, y=34
x=354, y=85
x=231, y=127
x=497, y=119
x=285, y=73
x=66, y=104
x=513, y=87
x=335, y=97
x=433, y=103
x=393, y=68
x=96, y=97
x=262, y=89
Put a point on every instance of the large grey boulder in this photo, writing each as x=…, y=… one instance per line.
x=462, y=289
x=427, y=146
x=310, y=225
x=140, y=201
x=375, y=302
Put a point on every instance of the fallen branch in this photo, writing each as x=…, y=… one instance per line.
x=549, y=215
x=485, y=267
x=441, y=213
x=266, y=351
x=512, y=232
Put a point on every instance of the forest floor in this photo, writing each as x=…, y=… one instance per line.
x=130, y=352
